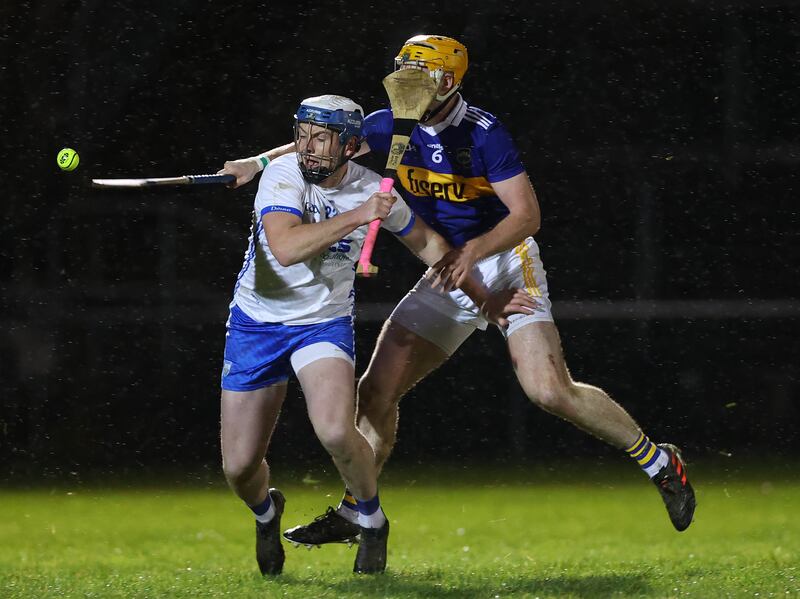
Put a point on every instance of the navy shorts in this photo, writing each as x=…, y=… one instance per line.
x=260, y=354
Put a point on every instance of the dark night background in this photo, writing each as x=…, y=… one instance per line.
x=662, y=141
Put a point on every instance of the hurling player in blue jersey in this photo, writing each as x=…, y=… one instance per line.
x=463, y=176
x=292, y=313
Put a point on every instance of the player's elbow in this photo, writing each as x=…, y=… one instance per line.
x=533, y=212
x=286, y=259
x=432, y=250
x=284, y=254
x=534, y=224
x=529, y=220
x=282, y=259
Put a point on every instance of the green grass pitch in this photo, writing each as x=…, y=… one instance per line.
x=589, y=531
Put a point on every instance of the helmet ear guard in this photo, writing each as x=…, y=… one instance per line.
x=336, y=113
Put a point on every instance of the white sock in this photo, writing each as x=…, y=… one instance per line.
x=661, y=461
x=374, y=520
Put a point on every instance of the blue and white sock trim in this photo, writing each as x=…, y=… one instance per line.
x=264, y=511
x=370, y=514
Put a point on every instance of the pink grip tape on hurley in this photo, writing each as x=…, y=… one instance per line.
x=365, y=267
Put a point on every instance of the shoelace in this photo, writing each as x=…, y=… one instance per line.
x=322, y=517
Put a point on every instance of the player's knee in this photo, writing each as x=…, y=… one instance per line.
x=336, y=440
x=238, y=470
x=551, y=398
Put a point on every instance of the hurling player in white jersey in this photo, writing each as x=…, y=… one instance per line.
x=292, y=312
x=462, y=174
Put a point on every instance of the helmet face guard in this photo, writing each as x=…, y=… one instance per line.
x=343, y=119
x=318, y=164
x=437, y=55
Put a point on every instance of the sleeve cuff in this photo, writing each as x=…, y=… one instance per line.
x=407, y=229
x=507, y=174
x=288, y=209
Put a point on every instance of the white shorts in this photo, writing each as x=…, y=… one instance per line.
x=447, y=319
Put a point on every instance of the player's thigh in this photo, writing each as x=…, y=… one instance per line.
x=537, y=358
x=247, y=421
x=400, y=360
x=324, y=363
x=255, y=370
x=329, y=388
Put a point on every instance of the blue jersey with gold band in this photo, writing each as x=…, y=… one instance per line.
x=447, y=170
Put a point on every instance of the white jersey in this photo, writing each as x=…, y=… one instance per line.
x=321, y=288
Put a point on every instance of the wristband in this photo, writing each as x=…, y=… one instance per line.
x=261, y=161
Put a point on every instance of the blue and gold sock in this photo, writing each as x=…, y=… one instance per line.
x=348, y=507
x=648, y=455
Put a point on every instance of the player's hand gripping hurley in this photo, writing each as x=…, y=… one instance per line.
x=410, y=93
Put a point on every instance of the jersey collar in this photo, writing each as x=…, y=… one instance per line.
x=454, y=118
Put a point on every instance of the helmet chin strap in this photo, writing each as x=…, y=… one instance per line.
x=429, y=114
x=448, y=94
x=437, y=76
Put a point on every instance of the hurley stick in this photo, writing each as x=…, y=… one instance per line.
x=410, y=93
x=158, y=182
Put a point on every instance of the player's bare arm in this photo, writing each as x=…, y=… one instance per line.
x=523, y=220
x=292, y=241
x=245, y=169
x=429, y=246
